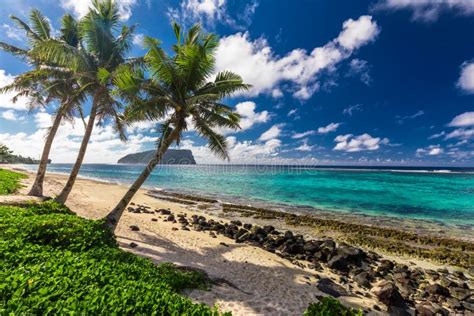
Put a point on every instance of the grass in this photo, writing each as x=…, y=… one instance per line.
x=52, y=261
x=329, y=306
x=10, y=181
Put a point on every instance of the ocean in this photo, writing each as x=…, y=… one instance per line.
x=443, y=195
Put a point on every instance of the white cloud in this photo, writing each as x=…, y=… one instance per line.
x=351, y=109
x=437, y=135
x=462, y=120
x=138, y=40
x=359, y=67
x=10, y=115
x=81, y=7
x=305, y=147
x=428, y=10
x=302, y=135
x=331, y=127
x=461, y=133
x=292, y=112
x=272, y=133
x=466, y=80
x=104, y=147
x=248, y=117
x=6, y=99
x=255, y=61
x=208, y=12
x=402, y=119
x=13, y=33
x=357, y=33
x=432, y=150
x=364, y=142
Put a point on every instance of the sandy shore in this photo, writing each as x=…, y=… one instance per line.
x=257, y=282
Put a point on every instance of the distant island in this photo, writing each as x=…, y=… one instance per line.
x=171, y=157
x=8, y=157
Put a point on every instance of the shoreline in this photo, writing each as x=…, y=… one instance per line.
x=260, y=280
x=451, y=229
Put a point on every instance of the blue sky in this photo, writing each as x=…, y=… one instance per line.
x=386, y=82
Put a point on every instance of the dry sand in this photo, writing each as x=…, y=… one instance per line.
x=257, y=282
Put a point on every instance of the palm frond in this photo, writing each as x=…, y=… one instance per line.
x=29, y=32
x=217, y=143
x=13, y=49
x=40, y=24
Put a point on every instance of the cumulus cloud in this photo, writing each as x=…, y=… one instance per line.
x=209, y=12
x=331, y=127
x=302, y=135
x=364, y=142
x=463, y=120
x=266, y=71
x=10, y=115
x=6, y=98
x=104, y=147
x=248, y=117
x=81, y=7
x=466, y=79
x=461, y=133
x=138, y=40
x=432, y=150
x=272, y=133
x=428, y=10
x=305, y=147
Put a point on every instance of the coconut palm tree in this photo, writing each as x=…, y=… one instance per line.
x=45, y=83
x=94, y=65
x=179, y=90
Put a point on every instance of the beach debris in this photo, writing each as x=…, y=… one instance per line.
x=134, y=228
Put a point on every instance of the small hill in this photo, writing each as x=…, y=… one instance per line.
x=171, y=157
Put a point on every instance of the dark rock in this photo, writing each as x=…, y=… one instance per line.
x=236, y=222
x=362, y=279
x=184, y=228
x=174, y=228
x=154, y=219
x=288, y=234
x=442, y=270
x=328, y=243
x=459, y=274
x=329, y=287
x=164, y=211
x=388, y=294
x=170, y=218
x=268, y=229
x=338, y=262
x=134, y=228
x=133, y=245
x=311, y=246
x=437, y=289
x=212, y=234
x=471, y=271
x=223, y=244
x=247, y=226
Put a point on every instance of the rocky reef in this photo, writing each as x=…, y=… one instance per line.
x=400, y=289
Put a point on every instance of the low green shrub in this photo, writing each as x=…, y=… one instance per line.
x=10, y=181
x=52, y=261
x=329, y=306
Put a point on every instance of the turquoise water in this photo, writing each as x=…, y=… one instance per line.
x=443, y=196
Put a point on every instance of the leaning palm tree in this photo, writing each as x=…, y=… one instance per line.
x=45, y=83
x=181, y=92
x=94, y=65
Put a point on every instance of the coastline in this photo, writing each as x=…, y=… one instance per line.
x=277, y=285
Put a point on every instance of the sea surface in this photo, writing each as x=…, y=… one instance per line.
x=444, y=195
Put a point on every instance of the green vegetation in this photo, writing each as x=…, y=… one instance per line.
x=52, y=261
x=329, y=306
x=10, y=181
x=7, y=156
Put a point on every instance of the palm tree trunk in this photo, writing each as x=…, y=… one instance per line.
x=37, y=188
x=62, y=197
x=114, y=216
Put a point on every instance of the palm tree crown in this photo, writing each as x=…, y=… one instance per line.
x=180, y=91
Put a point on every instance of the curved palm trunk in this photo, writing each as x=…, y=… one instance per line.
x=62, y=197
x=37, y=188
x=113, y=217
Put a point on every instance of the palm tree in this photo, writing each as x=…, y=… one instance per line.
x=94, y=65
x=45, y=83
x=178, y=90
